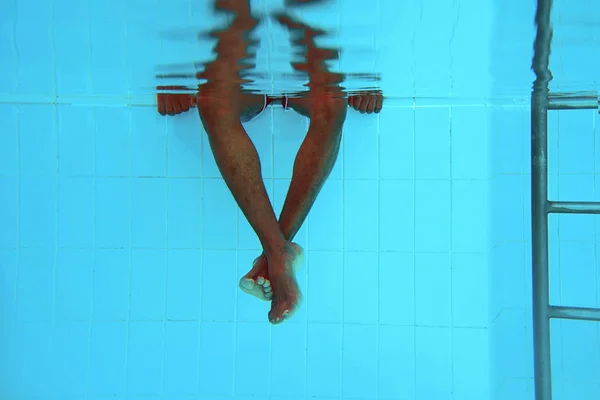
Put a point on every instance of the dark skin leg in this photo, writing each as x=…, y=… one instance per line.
x=221, y=103
x=326, y=108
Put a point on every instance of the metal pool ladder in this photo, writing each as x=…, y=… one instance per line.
x=542, y=207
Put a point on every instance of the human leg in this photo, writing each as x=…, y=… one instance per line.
x=220, y=103
x=326, y=108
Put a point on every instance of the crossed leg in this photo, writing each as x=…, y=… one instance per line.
x=220, y=103
x=326, y=108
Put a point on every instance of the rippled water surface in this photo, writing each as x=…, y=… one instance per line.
x=461, y=49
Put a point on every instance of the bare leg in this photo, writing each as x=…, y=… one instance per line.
x=220, y=103
x=326, y=108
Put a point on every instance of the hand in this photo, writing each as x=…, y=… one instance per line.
x=367, y=102
x=174, y=103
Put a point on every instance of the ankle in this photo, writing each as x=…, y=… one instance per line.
x=279, y=258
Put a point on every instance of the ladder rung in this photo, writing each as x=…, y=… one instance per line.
x=583, y=314
x=573, y=207
x=573, y=101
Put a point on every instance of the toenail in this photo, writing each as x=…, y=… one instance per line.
x=260, y=280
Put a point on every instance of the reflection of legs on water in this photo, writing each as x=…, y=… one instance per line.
x=220, y=103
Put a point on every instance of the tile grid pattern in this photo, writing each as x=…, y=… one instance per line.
x=140, y=294
x=573, y=262
x=122, y=215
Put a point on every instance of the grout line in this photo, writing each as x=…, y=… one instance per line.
x=236, y=309
x=94, y=252
x=307, y=223
x=235, y=325
x=124, y=51
x=200, y=326
x=316, y=322
x=18, y=241
x=488, y=212
x=450, y=256
x=107, y=100
x=343, y=252
x=378, y=278
x=56, y=247
x=456, y=4
x=166, y=260
x=271, y=194
x=414, y=260
x=89, y=55
x=308, y=263
x=14, y=44
x=57, y=193
x=128, y=322
x=259, y=250
x=286, y=180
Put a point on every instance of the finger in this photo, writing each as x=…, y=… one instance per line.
x=170, y=109
x=371, y=104
x=161, y=106
x=379, y=103
x=353, y=102
x=358, y=102
x=364, y=103
x=184, y=105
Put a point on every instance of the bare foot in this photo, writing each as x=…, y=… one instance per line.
x=256, y=282
x=286, y=298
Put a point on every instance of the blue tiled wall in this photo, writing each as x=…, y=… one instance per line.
x=120, y=246
x=572, y=169
x=573, y=265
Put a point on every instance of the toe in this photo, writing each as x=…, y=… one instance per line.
x=267, y=289
x=264, y=282
x=272, y=317
x=277, y=317
x=247, y=283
